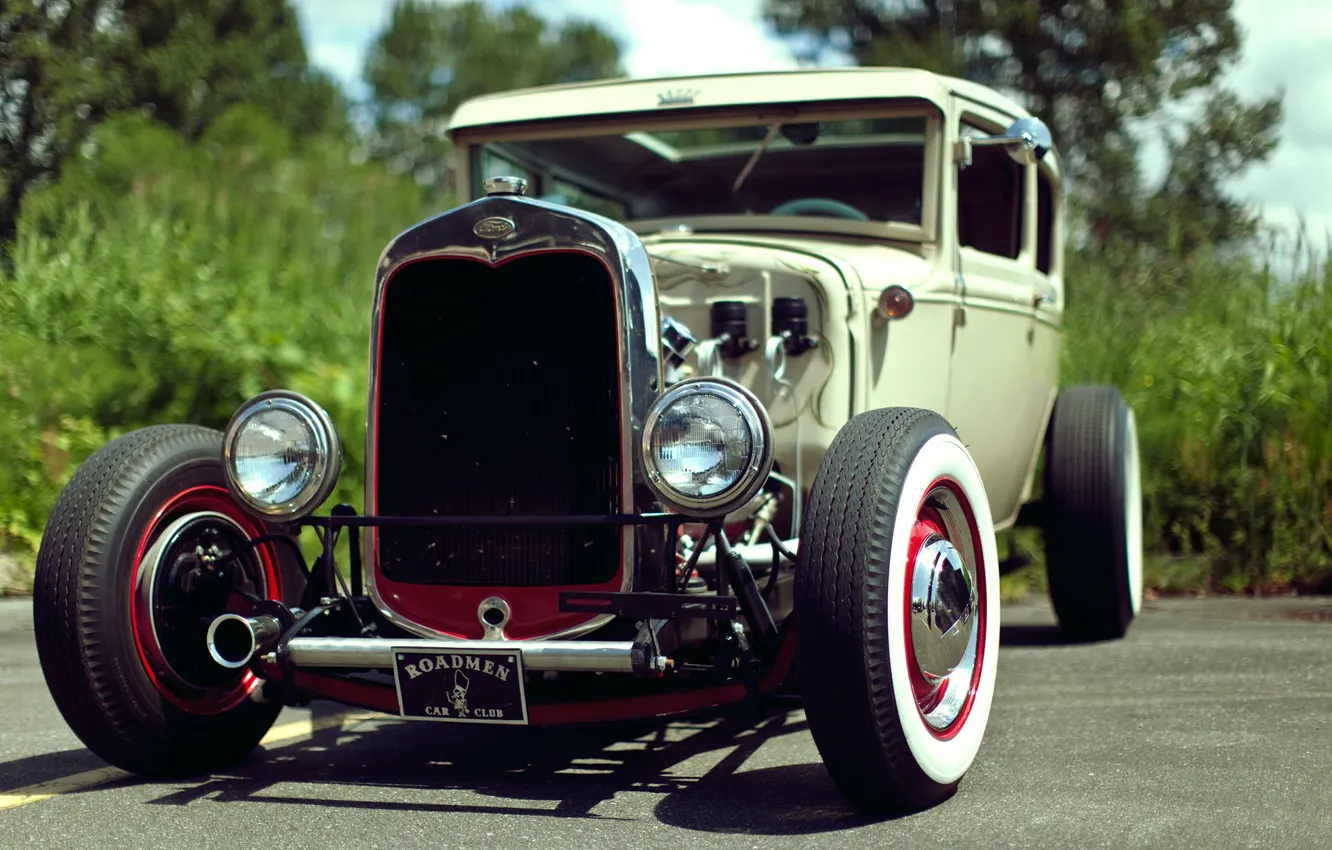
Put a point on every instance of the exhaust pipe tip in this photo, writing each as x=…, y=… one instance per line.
x=231, y=641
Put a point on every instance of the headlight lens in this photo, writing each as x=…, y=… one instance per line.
x=281, y=454
x=707, y=446
x=701, y=445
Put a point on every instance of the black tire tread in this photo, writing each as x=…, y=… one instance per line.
x=1084, y=513
x=89, y=679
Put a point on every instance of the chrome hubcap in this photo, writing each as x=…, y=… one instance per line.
x=944, y=613
x=943, y=609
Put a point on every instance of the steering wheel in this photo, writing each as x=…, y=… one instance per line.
x=819, y=206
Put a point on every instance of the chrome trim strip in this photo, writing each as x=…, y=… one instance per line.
x=372, y=653
x=539, y=227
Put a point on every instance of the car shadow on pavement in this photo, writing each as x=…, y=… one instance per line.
x=1033, y=634
x=34, y=770
x=568, y=772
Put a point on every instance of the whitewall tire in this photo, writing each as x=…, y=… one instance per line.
x=896, y=609
x=1133, y=513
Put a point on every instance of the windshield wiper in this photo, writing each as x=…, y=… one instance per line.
x=753, y=159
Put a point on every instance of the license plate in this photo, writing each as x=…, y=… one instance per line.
x=476, y=686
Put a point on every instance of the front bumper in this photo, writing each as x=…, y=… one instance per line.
x=235, y=641
x=563, y=656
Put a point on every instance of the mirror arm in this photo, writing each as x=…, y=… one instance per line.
x=1027, y=141
x=962, y=151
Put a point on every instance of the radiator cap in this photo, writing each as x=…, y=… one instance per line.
x=505, y=186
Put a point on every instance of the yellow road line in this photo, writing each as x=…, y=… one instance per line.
x=284, y=733
x=310, y=725
x=55, y=787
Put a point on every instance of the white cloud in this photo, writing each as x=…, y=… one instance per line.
x=1289, y=50
x=673, y=37
x=342, y=59
x=337, y=33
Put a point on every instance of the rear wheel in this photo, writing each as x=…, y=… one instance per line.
x=134, y=565
x=1092, y=513
x=896, y=595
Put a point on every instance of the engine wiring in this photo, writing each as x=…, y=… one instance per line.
x=774, y=355
x=814, y=401
x=709, y=274
x=709, y=360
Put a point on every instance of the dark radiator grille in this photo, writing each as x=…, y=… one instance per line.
x=498, y=395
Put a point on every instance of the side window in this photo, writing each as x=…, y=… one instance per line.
x=989, y=200
x=1045, y=210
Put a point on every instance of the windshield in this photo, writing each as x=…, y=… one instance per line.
x=864, y=169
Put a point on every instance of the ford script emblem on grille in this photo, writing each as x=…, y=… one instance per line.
x=493, y=228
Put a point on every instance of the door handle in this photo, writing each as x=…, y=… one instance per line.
x=1045, y=293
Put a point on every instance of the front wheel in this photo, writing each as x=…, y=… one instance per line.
x=898, y=609
x=144, y=548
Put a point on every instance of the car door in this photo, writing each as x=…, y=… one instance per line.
x=989, y=397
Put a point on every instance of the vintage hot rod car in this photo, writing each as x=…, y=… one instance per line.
x=713, y=388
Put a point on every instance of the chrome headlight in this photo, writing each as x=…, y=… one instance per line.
x=707, y=446
x=281, y=455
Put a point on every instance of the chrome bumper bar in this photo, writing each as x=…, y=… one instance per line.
x=370, y=653
x=234, y=641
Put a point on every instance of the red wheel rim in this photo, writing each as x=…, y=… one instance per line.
x=956, y=524
x=202, y=498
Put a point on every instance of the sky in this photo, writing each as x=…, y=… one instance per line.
x=664, y=37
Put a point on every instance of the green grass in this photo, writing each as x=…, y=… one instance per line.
x=1227, y=369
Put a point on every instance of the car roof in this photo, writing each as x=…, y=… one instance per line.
x=683, y=93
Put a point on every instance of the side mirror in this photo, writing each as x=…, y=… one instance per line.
x=1027, y=140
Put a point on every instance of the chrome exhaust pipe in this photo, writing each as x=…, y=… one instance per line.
x=233, y=640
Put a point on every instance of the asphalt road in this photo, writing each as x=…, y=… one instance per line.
x=1209, y=726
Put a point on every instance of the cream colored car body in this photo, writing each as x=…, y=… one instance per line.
x=981, y=344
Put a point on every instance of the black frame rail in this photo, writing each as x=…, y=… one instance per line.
x=737, y=592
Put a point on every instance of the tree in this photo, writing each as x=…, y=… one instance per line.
x=65, y=66
x=432, y=57
x=191, y=61
x=1190, y=206
x=1087, y=67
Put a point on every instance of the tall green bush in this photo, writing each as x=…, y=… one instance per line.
x=1227, y=367
x=160, y=281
